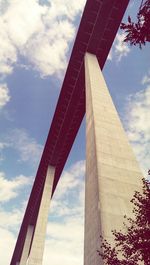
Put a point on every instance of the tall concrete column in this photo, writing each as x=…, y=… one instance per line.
x=27, y=244
x=112, y=172
x=37, y=247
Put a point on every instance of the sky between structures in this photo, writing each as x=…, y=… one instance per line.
x=36, y=39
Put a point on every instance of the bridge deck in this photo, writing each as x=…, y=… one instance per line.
x=97, y=30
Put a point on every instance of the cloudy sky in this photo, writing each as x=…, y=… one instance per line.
x=36, y=38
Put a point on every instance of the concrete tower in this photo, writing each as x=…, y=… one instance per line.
x=112, y=172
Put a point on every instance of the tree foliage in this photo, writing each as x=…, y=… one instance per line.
x=132, y=246
x=139, y=32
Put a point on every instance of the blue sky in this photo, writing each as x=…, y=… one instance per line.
x=36, y=40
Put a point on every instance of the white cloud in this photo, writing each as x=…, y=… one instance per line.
x=58, y=230
x=4, y=95
x=65, y=238
x=139, y=125
x=40, y=33
x=47, y=51
x=70, y=184
x=66, y=8
x=8, y=52
x=11, y=214
x=3, y=145
x=15, y=216
x=10, y=221
x=146, y=79
x=63, y=252
x=9, y=228
x=27, y=147
x=22, y=26
x=9, y=189
x=71, y=178
x=110, y=56
x=7, y=241
x=66, y=226
x=64, y=234
x=119, y=49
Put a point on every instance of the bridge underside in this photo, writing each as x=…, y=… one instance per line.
x=97, y=30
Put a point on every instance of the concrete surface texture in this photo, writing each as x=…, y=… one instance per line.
x=26, y=247
x=112, y=172
x=37, y=247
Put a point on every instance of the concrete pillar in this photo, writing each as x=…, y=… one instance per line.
x=26, y=247
x=112, y=172
x=37, y=248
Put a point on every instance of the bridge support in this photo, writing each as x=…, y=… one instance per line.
x=34, y=243
x=112, y=172
x=37, y=247
x=27, y=244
